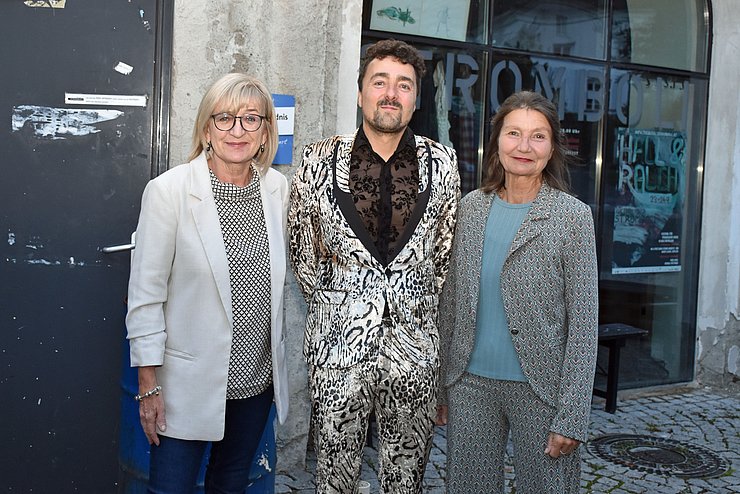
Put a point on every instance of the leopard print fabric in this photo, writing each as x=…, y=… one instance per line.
x=346, y=287
x=402, y=398
x=371, y=338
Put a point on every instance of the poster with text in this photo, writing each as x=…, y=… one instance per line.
x=432, y=18
x=650, y=196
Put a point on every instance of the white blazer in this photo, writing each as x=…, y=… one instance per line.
x=179, y=297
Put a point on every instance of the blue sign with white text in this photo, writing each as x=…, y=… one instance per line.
x=285, y=113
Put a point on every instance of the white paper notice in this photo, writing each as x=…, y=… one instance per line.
x=105, y=99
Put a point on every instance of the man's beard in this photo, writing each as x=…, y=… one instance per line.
x=390, y=122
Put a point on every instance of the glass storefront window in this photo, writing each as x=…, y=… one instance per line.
x=462, y=20
x=649, y=233
x=576, y=28
x=633, y=111
x=451, y=104
x=662, y=33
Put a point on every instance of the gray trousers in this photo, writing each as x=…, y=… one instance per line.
x=482, y=413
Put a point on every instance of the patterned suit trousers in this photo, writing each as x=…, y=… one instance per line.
x=403, y=397
x=482, y=412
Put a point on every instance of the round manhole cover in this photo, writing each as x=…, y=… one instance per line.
x=659, y=456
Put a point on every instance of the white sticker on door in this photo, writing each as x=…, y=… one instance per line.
x=59, y=123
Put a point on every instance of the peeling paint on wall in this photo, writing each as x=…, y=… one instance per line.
x=123, y=68
x=43, y=262
x=144, y=21
x=53, y=262
x=58, y=123
x=34, y=242
x=53, y=4
x=37, y=254
x=264, y=462
x=35, y=259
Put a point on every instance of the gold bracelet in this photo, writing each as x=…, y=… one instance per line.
x=151, y=392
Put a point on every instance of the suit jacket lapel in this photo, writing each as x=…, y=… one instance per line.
x=475, y=254
x=340, y=161
x=340, y=167
x=530, y=226
x=426, y=170
x=274, y=211
x=206, y=219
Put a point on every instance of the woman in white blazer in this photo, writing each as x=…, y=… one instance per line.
x=206, y=292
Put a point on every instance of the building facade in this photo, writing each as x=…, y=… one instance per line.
x=648, y=97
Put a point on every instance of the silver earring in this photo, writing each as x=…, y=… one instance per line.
x=262, y=148
x=209, y=147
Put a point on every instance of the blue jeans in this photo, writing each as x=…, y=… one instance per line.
x=175, y=463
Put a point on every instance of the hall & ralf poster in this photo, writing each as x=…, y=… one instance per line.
x=649, y=201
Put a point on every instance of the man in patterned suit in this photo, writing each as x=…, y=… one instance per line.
x=371, y=221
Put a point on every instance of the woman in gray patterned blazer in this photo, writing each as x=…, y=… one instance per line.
x=518, y=316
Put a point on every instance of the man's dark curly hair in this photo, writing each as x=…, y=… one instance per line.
x=404, y=52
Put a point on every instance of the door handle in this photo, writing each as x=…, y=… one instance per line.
x=121, y=248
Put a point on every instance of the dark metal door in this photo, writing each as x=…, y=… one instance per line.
x=81, y=133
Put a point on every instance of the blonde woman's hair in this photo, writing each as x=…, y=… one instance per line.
x=229, y=93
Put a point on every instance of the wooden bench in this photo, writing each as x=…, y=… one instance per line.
x=613, y=336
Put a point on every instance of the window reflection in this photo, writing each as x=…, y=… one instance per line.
x=636, y=136
x=450, y=109
x=577, y=89
x=462, y=20
x=664, y=33
x=574, y=28
x=649, y=231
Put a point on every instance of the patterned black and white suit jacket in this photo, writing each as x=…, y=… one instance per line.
x=549, y=285
x=337, y=266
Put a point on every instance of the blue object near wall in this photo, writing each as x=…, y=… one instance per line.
x=133, y=449
x=285, y=114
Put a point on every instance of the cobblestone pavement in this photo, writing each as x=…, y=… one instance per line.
x=694, y=416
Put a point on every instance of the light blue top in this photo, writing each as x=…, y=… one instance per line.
x=494, y=355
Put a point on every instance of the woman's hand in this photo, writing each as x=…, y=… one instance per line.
x=151, y=408
x=441, y=418
x=558, y=445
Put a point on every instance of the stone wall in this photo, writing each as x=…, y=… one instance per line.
x=718, y=324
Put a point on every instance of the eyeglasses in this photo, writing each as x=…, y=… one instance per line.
x=226, y=121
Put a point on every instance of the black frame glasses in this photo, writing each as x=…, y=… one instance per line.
x=224, y=121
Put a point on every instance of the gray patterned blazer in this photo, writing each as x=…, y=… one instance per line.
x=337, y=266
x=549, y=284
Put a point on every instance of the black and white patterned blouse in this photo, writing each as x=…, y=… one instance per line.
x=245, y=237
